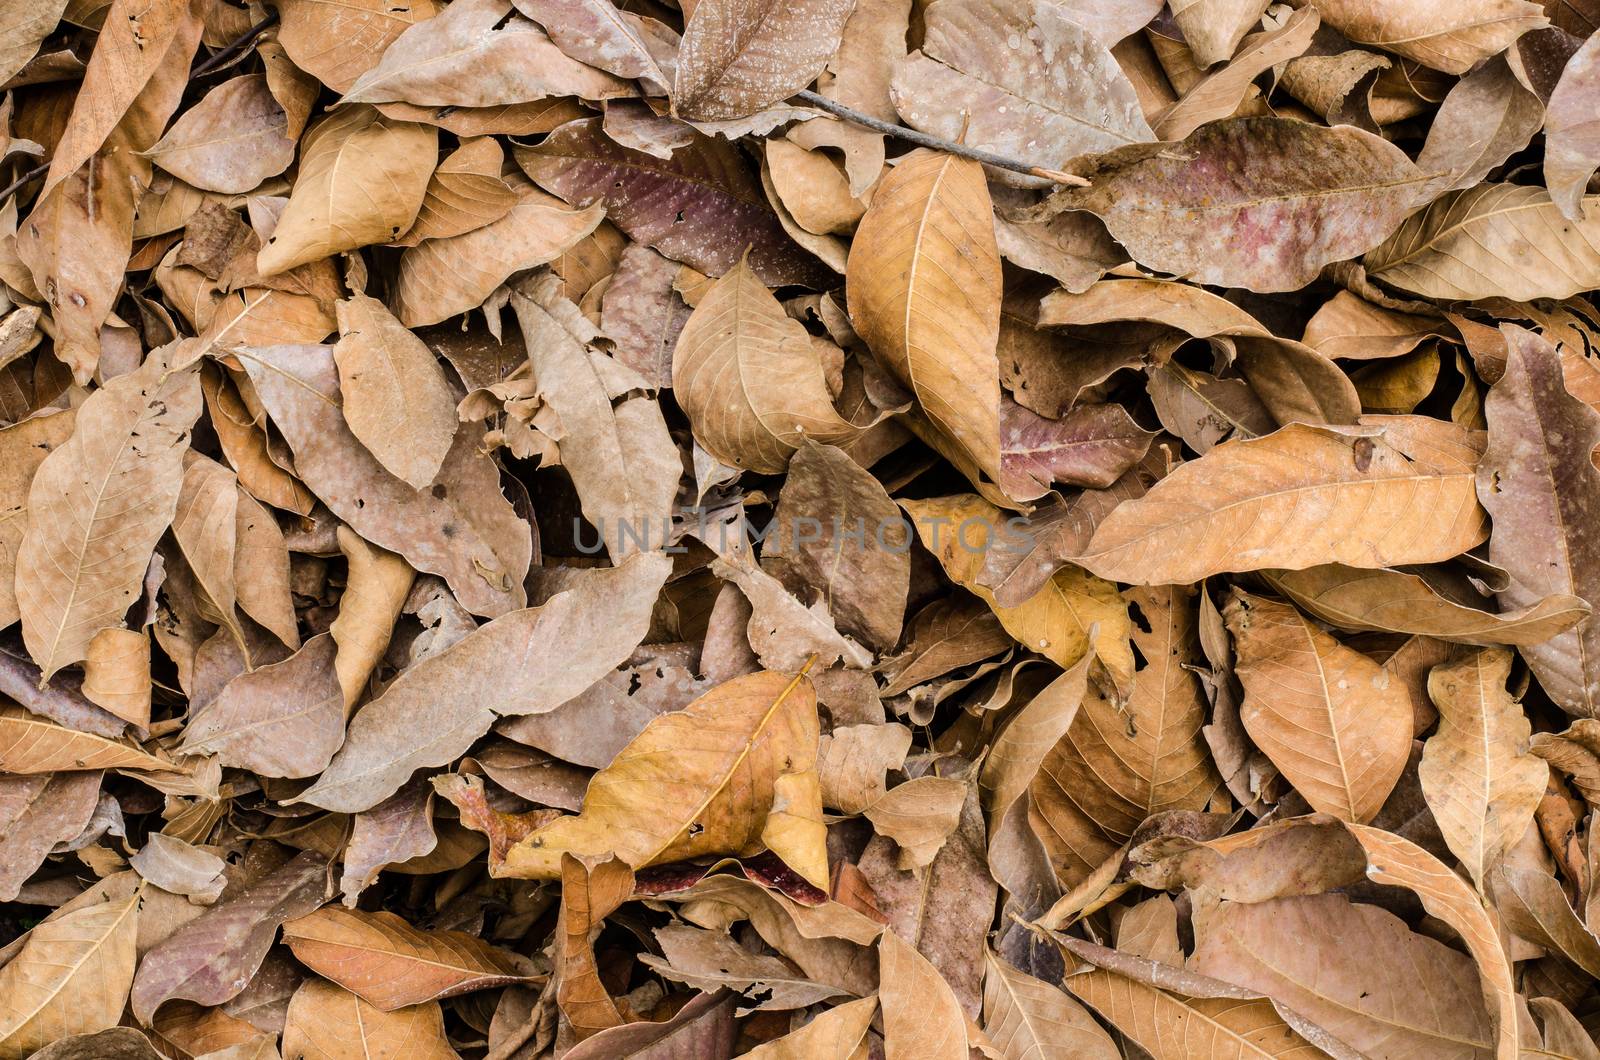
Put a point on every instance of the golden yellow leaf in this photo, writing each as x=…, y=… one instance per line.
x=734, y=772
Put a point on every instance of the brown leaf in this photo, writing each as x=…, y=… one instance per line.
x=285, y=719
x=336, y=44
x=30, y=745
x=390, y=964
x=708, y=183
x=924, y=292
x=837, y=1034
x=212, y=957
x=921, y=1018
x=1025, y=1016
x=1267, y=225
x=1399, y=602
x=739, y=56
x=326, y=1022
x=465, y=531
x=1480, y=780
x=1449, y=37
x=396, y=400
x=1243, y=505
x=445, y=276
x=1536, y=479
x=82, y=559
x=376, y=588
x=1019, y=80
x=71, y=977
x=465, y=193
x=229, y=142
x=39, y=811
x=750, y=380
x=361, y=180
x=1572, y=137
x=744, y=784
x=504, y=667
x=478, y=54
x=1330, y=718
x=25, y=446
x=1353, y=969
x=1493, y=240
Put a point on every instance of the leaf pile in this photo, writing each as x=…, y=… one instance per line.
x=801, y=529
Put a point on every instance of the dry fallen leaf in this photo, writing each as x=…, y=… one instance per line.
x=825, y=529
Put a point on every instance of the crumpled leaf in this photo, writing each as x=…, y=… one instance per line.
x=752, y=785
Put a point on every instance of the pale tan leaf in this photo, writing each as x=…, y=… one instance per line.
x=921, y=1017
x=361, y=180
x=24, y=25
x=837, y=1034
x=734, y=772
x=1331, y=719
x=1493, y=240
x=750, y=379
x=261, y=570
x=30, y=744
x=327, y=1022
x=97, y=507
x=396, y=399
x=23, y=447
x=1481, y=782
x=230, y=141
x=919, y=816
x=1448, y=35
x=442, y=277
x=376, y=589
x=1214, y=28
x=480, y=53
x=282, y=720
x=924, y=292
x=464, y=193
x=336, y=41
x=526, y=662
x=392, y=965
x=740, y=56
x=1400, y=602
x=116, y=673
x=71, y=977
x=1300, y=497
x=1028, y=1019
x=1572, y=135
x=591, y=890
x=1354, y=969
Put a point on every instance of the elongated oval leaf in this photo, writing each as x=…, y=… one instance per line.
x=1300, y=497
x=924, y=289
x=740, y=56
x=391, y=965
x=72, y=977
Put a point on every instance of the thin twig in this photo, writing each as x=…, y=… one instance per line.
x=17, y=185
x=900, y=132
x=235, y=46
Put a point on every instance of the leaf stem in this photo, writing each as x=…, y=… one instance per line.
x=922, y=139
